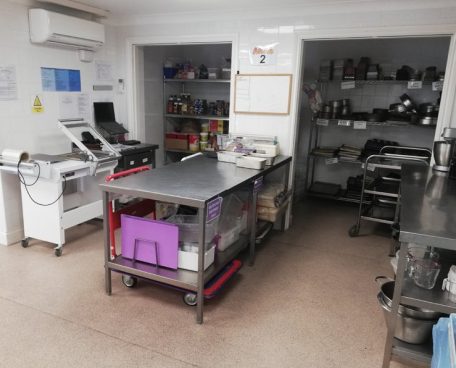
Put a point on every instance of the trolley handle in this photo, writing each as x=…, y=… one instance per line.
x=405, y=148
x=401, y=158
x=124, y=173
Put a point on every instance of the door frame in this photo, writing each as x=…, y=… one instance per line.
x=134, y=105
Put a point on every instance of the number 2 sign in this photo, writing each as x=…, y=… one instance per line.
x=263, y=55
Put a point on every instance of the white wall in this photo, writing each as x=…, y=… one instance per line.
x=19, y=128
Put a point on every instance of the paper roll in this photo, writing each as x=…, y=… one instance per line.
x=14, y=156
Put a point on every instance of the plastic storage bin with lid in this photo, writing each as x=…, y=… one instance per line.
x=189, y=228
x=232, y=221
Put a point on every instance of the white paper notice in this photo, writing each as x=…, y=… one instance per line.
x=8, y=83
x=103, y=71
x=242, y=94
x=74, y=106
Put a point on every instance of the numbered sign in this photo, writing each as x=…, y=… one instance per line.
x=263, y=55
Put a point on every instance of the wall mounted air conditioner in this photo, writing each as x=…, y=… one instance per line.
x=62, y=30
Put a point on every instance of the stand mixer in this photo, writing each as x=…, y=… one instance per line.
x=445, y=153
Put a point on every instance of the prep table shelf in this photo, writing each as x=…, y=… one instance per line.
x=179, y=278
x=419, y=354
x=419, y=225
x=434, y=299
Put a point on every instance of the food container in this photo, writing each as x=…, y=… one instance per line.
x=271, y=214
x=188, y=260
x=228, y=237
x=226, y=156
x=176, y=141
x=189, y=228
x=193, y=142
x=269, y=149
x=251, y=162
x=169, y=72
x=269, y=158
x=213, y=73
x=203, y=146
x=204, y=136
x=205, y=127
x=226, y=73
x=414, y=325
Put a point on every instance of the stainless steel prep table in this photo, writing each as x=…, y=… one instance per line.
x=428, y=217
x=194, y=183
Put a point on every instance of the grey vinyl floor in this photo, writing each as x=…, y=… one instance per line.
x=309, y=301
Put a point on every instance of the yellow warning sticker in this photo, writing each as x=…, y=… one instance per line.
x=37, y=104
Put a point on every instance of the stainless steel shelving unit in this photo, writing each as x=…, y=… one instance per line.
x=197, y=117
x=424, y=193
x=185, y=84
x=193, y=183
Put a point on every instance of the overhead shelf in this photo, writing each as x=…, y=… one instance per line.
x=377, y=81
x=197, y=117
x=350, y=123
x=197, y=80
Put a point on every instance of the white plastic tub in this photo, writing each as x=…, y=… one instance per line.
x=226, y=156
x=189, y=260
x=267, y=149
x=269, y=158
x=251, y=162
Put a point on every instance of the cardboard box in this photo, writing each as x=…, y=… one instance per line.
x=218, y=126
x=176, y=141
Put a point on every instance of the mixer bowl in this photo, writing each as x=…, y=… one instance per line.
x=443, y=151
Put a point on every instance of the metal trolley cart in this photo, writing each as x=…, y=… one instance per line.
x=380, y=193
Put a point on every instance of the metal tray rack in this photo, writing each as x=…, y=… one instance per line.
x=385, y=188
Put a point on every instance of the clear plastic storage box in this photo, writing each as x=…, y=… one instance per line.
x=189, y=228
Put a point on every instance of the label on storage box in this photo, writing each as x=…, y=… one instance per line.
x=257, y=184
x=437, y=86
x=415, y=85
x=359, y=124
x=322, y=122
x=332, y=160
x=214, y=208
x=347, y=85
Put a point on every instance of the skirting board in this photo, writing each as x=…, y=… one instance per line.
x=11, y=237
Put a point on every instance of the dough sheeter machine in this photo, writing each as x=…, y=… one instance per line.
x=61, y=191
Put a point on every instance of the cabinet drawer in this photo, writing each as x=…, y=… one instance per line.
x=136, y=160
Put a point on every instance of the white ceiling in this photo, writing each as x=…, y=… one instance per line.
x=151, y=7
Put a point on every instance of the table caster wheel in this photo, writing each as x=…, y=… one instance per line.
x=25, y=242
x=190, y=299
x=354, y=231
x=129, y=281
x=58, y=252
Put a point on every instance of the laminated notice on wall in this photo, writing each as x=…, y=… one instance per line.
x=74, y=106
x=8, y=83
x=60, y=80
